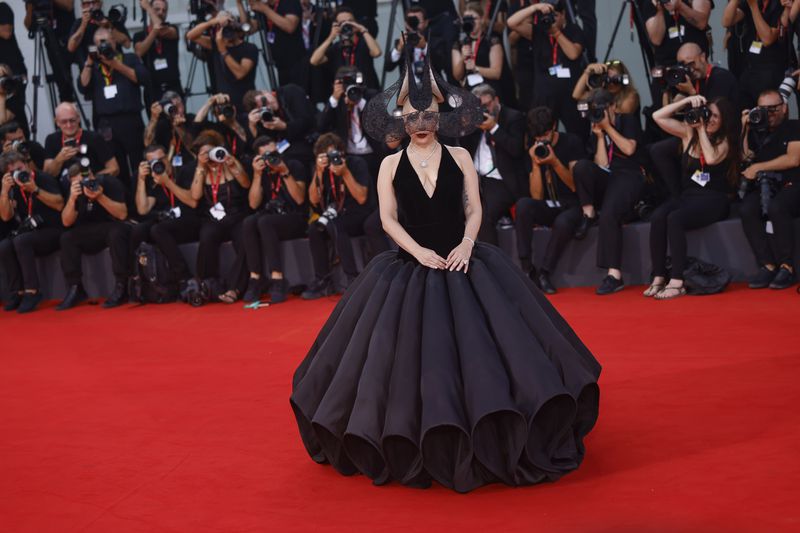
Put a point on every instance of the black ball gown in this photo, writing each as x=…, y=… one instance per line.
x=423, y=374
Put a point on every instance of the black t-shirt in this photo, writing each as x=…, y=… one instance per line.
x=357, y=56
x=629, y=126
x=226, y=81
x=274, y=188
x=333, y=187
x=230, y=194
x=114, y=94
x=161, y=61
x=720, y=84
x=92, y=212
x=525, y=51
x=678, y=32
x=50, y=217
x=88, y=38
x=775, y=144
x=569, y=148
x=544, y=45
x=287, y=48
x=98, y=150
x=235, y=144
x=434, y=8
x=10, y=53
x=164, y=200
x=773, y=57
x=164, y=136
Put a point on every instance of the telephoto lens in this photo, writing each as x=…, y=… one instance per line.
x=22, y=176
x=157, y=166
x=335, y=157
x=697, y=114
x=758, y=118
x=266, y=114
x=218, y=154
x=169, y=108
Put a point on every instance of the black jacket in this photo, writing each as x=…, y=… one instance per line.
x=336, y=120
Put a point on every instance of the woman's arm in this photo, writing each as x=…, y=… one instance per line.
x=711, y=153
x=663, y=117
x=495, y=68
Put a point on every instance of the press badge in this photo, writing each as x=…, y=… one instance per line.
x=160, y=64
x=701, y=178
x=110, y=91
x=474, y=79
x=769, y=229
x=217, y=211
x=755, y=47
x=551, y=204
x=563, y=72
x=677, y=31
x=283, y=145
x=271, y=37
x=177, y=161
x=176, y=211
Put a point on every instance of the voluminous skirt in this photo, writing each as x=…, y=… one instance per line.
x=423, y=374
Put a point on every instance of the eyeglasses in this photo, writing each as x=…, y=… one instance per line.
x=68, y=121
x=771, y=109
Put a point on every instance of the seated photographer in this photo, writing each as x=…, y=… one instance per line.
x=552, y=201
x=673, y=23
x=94, y=217
x=348, y=45
x=114, y=80
x=278, y=197
x=81, y=35
x=12, y=96
x=227, y=123
x=70, y=144
x=287, y=116
x=33, y=201
x=171, y=128
x=497, y=148
x=221, y=181
x=339, y=194
x=157, y=47
x=478, y=57
x=558, y=46
x=284, y=36
x=612, y=76
x=764, y=31
x=772, y=146
x=59, y=16
x=233, y=60
x=611, y=183
x=13, y=138
x=709, y=136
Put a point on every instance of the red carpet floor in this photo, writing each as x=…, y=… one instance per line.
x=173, y=419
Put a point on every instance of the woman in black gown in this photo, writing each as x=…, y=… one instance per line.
x=443, y=361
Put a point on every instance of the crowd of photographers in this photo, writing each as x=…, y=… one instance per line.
x=565, y=142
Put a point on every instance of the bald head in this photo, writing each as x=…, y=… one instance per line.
x=691, y=55
x=67, y=118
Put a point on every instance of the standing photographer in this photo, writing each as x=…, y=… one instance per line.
x=169, y=126
x=33, y=201
x=278, y=197
x=772, y=145
x=612, y=182
x=157, y=47
x=55, y=19
x=81, y=35
x=416, y=34
x=339, y=193
x=285, y=38
x=13, y=72
x=673, y=23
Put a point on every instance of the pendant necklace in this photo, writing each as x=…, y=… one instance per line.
x=424, y=162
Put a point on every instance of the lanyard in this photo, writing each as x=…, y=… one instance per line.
x=708, y=75
x=352, y=52
x=232, y=142
x=339, y=201
x=275, y=9
x=275, y=186
x=28, y=199
x=158, y=44
x=171, y=194
x=554, y=44
x=216, y=181
x=764, y=7
x=176, y=142
x=107, y=73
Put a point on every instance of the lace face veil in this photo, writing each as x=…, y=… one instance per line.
x=459, y=110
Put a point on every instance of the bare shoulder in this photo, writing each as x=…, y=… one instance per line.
x=389, y=164
x=461, y=155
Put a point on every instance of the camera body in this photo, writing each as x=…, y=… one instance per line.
x=31, y=223
x=412, y=36
x=266, y=114
x=22, y=148
x=546, y=20
x=758, y=118
x=541, y=149
x=467, y=27
x=276, y=206
x=347, y=34
x=201, y=9
x=335, y=157
x=226, y=110
x=12, y=84
x=97, y=16
x=22, y=176
x=272, y=159
x=91, y=184
x=234, y=28
x=676, y=74
x=593, y=111
x=104, y=49
x=328, y=215
x=157, y=167
x=218, y=154
x=697, y=114
x=354, y=86
x=118, y=14
x=168, y=107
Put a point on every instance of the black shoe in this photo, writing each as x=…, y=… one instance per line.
x=253, y=292
x=610, y=285
x=75, y=295
x=784, y=279
x=13, y=302
x=278, y=290
x=118, y=297
x=583, y=227
x=30, y=301
x=543, y=281
x=318, y=289
x=763, y=278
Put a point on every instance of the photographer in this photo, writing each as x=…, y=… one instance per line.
x=33, y=201
x=766, y=59
x=233, y=60
x=92, y=18
x=497, y=149
x=287, y=116
x=157, y=47
x=278, y=197
x=13, y=139
x=612, y=76
x=339, y=193
x=552, y=201
x=673, y=23
x=612, y=182
x=55, y=19
x=227, y=125
x=558, y=47
x=221, y=181
x=285, y=39
x=169, y=127
x=114, y=81
x=13, y=72
x=709, y=136
x=94, y=216
x=416, y=34
x=772, y=146
x=348, y=45
x=71, y=143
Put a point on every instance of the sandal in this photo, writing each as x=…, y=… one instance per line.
x=668, y=293
x=653, y=289
x=229, y=297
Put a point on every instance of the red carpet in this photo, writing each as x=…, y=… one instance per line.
x=173, y=419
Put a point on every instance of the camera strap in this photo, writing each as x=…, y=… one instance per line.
x=28, y=199
x=232, y=139
x=352, y=54
x=709, y=68
x=476, y=46
x=216, y=181
x=554, y=44
x=171, y=195
x=107, y=73
x=275, y=184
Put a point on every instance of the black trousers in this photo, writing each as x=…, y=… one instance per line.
x=127, y=134
x=614, y=194
x=18, y=256
x=91, y=239
x=262, y=234
x=670, y=222
x=212, y=234
x=783, y=208
x=496, y=200
x=666, y=158
x=339, y=230
x=562, y=220
x=167, y=235
x=377, y=241
x=555, y=93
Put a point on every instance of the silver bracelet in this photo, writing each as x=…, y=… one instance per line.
x=468, y=239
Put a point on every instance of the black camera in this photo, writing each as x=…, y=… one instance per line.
x=22, y=176
x=266, y=114
x=354, y=87
x=758, y=118
x=273, y=159
x=695, y=115
x=30, y=223
x=91, y=184
x=234, y=28
x=329, y=214
x=597, y=80
x=467, y=27
x=335, y=157
x=769, y=183
x=157, y=166
x=677, y=74
x=23, y=148
x=97, y=16
x=276, y=206
x=201, y=9
x=168, y=107
x=104, y=49
x=12, y=84
x=594, y=112
x=118, y=14
x=346, y=31
x=226, y=110
x=541, y=149
x=546, y=20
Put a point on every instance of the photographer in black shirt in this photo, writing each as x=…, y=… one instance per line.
x=171, y=128
x=33, y=201
x=417, y=33
x=278, y=197
x=58, y=16
x=674, y=23
x=157, y=47
x=772, y=145
x=13, y=139
x=227, y=123
x=13, y=66
x=284, y=37
x=339, y=194
x=81, y=35
x=553, y=201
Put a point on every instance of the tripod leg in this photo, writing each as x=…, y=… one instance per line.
x=614, y=33
x=388, y=49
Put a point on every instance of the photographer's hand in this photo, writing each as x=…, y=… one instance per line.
x=66, y=153
x=276, y=124
x=8, y=183
x=686, y=87
x=751, y=171
x=144, y=170
x=338, y=90
x=155, y=110
x=75, y=190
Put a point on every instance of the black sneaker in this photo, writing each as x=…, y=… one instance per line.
x=318, y=289
x=763, y=278
x=544, y=283
x=583, y=227
x=118, y=297
x=253, y=292
x=610, y=285
x=13, y=302
x=30, y=301
x=784, y=279
x=278, y=290
x=75, y=295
